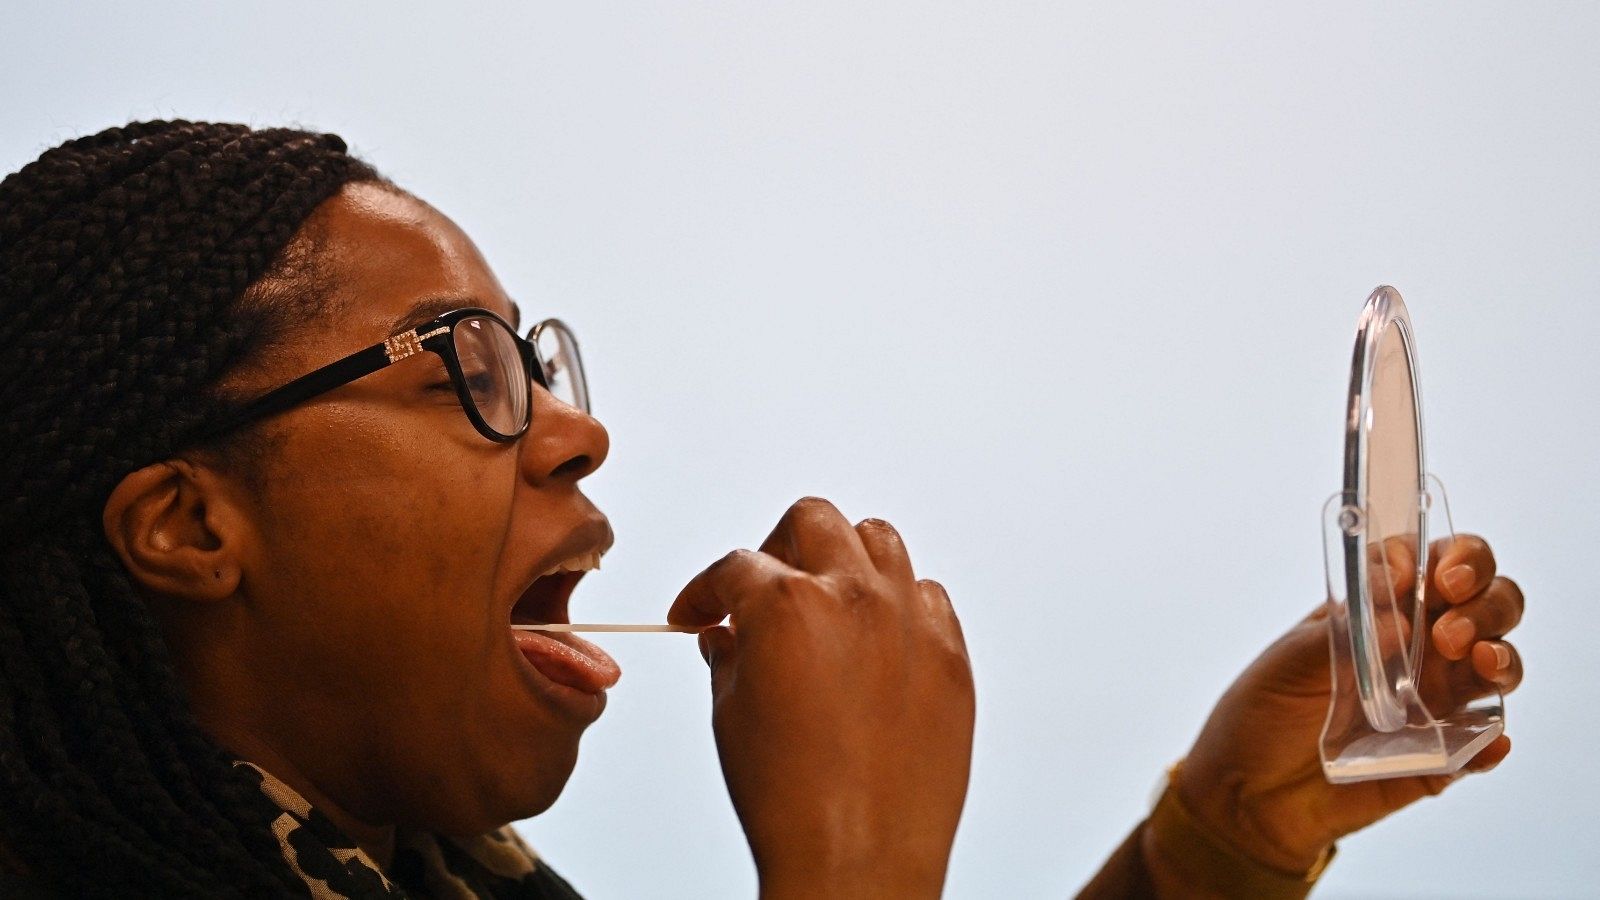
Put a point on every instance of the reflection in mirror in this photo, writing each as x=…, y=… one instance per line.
x=1393, y=478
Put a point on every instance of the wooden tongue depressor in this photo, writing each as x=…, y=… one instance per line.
x=591, y=626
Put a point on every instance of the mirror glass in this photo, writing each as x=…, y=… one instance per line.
x=1391, y=482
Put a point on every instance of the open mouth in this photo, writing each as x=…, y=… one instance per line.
x=564, y=659
x=545, y=600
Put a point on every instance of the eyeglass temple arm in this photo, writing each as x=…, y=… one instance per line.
x=335, y=374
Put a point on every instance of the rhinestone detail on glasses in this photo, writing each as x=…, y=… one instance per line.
x=403, y=345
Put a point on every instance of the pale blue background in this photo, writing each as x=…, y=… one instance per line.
x=1066, y=292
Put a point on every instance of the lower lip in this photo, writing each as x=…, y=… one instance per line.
x=577, y=703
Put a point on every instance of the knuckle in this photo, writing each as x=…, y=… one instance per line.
x=954, y=663
x=1397, y=549
x=852, y=588
x=1461, y=548
x=735, y=558
x=952, y=637
x=806, y=516
x=794, y=587
x=946, y=625
x=787, y=597
x=809, y=507
x=1478, y=547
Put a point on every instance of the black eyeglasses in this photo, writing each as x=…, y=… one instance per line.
x=491, y=368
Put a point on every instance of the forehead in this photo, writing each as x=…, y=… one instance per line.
x=398, y=262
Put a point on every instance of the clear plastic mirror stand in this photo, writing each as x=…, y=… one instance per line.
x=1378, y=725
x=1375, y=544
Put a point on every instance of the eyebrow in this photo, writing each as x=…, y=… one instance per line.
x=434, y=307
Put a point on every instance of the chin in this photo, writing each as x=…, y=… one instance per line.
x=523, y=800
x=544, y=794
x=532, y=790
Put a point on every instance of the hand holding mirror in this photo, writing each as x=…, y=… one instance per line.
x=1383, y=721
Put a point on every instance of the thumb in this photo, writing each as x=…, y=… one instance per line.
x=716, y=643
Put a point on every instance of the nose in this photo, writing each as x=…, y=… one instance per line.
x=562, y=444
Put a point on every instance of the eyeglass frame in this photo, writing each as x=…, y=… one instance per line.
x=435, y=336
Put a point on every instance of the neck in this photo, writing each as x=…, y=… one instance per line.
x=230, y=709
x=375, y=840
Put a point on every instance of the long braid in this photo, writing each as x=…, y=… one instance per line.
x=127, y=260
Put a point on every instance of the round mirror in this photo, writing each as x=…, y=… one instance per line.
x=1386, y=526
x=1393, y=711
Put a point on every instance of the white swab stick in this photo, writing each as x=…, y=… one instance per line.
x=591, y=626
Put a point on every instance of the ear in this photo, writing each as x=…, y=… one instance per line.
x=177, y=531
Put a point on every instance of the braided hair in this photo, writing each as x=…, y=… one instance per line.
x=138, y=267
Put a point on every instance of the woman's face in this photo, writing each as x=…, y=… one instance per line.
x=370, y=651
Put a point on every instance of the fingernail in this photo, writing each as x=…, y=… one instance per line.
x=1458, y=581
x=1502, y=658
x=1457, y=633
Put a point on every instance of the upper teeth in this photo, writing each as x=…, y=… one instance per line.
x=585, y=563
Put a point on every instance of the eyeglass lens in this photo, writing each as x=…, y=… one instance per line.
x=492, y=368
x=563, y=368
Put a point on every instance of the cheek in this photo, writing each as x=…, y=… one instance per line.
x=380, y=561
x=383, y=604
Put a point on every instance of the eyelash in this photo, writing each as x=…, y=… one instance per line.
x=451, y=386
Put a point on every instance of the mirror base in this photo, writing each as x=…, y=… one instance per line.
x=1378, y=726
x=1437, y=748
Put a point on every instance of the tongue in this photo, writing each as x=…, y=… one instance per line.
x=568, y=659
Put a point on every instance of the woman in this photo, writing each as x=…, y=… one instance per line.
x=278, y=478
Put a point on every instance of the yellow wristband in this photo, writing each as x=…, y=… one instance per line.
x=1209, y=858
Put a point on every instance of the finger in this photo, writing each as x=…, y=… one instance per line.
x=1491, y=614
x=813, y=536
x=1497, y=664
x=719, y=590
x=715, y=642
x=886, y=549
x=1487, y=758
x=1393, y=562
x=941, y=615
x=1491, y=755
x=1460, y=567
x=939, y=610
x=720, y=648
x=1392, y=578
x=1493, y=667
x=1392, y=628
